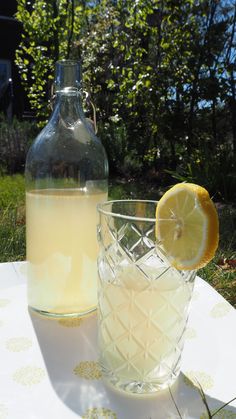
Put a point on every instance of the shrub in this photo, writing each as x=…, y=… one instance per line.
x=215, y=170
x=15, y=139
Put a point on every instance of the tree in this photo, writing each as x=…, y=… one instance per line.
x=50, y=28
x=161, y=73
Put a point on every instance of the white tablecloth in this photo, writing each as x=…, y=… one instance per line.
x=49, y=370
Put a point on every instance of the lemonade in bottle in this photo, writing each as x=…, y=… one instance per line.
x=66, y=177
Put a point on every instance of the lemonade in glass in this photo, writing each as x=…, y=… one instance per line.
x=143, y=299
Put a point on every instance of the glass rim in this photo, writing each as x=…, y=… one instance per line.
x=101, y=209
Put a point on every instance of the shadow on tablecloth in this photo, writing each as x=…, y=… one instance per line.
x=69, y=350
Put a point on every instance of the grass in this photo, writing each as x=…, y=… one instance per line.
x=12, y=218
x=220, y=272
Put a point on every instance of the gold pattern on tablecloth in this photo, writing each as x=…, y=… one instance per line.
x=72, y=322
x=18, y=344
x=4, y=302
x=223, y=414
x=99, y=413
x=90, y=370
x=3, y=411
x=29, y=375
x=190, y=333
x=194, y=378
x=220, y=309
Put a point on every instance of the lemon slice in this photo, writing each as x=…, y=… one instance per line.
x=187, y=226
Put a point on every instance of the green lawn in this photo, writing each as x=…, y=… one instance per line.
x=220, y=273
x=12, y=218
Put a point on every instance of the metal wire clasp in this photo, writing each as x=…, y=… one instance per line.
x=88, y=101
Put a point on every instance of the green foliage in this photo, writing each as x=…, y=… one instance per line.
x=162, y=76
x=216, y=171
x=15, y=139
x=114, y=139
x=12, y=236
x=157, y=69
x=47, y=37
x=12, y=218
x=12, y=191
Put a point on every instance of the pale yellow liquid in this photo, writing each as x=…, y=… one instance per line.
x=142, y=325
x=62, y=250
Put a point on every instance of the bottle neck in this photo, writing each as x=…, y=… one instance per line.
x=68, y=75
x=67, y=106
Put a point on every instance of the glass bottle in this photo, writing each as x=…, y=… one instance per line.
x=66, y=177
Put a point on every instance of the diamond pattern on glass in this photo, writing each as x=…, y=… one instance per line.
x=143, y=304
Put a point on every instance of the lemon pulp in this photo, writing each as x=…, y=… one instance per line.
x=187, y=226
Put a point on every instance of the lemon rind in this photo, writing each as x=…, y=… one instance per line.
x=211, y=235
